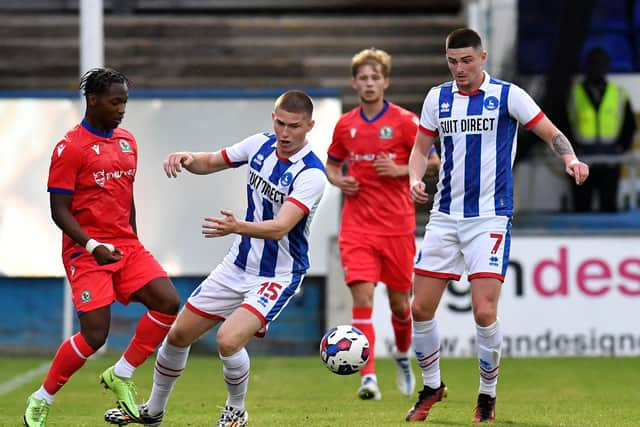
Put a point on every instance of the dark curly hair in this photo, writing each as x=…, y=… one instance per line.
x=98, y=80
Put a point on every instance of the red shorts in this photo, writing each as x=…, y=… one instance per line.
x=375, y=258
x=94, y=286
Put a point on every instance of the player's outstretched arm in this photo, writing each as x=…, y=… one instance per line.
x=274, y=229
x=561, y=146
x=418, y=166
x=198, y=163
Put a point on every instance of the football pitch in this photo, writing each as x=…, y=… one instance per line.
x=300, y=391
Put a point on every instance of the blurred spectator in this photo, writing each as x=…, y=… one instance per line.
x=601, y=122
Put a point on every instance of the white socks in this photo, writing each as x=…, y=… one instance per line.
x=41, y=394
x=489, y=340
x=426, y=343
x=124, y=369
x=236, y=374
x=170, y=363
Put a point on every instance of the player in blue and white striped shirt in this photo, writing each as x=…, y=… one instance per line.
x=265, y=266
x=476, y=118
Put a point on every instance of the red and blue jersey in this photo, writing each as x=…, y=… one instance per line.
x=271, y=181
x=478, y=135
x=98, y=171
x=382, y=205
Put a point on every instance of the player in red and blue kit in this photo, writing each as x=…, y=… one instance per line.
x=91, y=195
x=377, y=242
x=476, y=117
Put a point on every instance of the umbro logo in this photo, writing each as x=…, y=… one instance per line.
x=96, y=148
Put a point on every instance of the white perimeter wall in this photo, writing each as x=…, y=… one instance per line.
x=563, y=296
x=169, y=212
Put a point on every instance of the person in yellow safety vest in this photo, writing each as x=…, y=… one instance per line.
x=601, y=122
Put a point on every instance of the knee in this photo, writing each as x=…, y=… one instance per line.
x=95, y=337
x=422, y=312
x=484, y=316
x=362, y=294
x=227, y=344
x=179, y=338
x=399, y=307
x=170, y=305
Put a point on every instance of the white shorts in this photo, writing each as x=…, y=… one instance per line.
x=228, y=287
x=478, y=245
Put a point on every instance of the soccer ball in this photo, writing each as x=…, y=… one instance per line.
x=344, y=349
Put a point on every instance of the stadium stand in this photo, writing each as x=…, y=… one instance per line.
x=231, y=44
x=614, y=25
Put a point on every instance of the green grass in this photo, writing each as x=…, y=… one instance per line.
x=295, y=392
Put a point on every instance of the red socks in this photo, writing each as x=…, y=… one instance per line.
x=70, y=357
x=362, y=320
x=151, y=330
x=402, y=330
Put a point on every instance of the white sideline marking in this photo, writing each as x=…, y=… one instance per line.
x=15, y=382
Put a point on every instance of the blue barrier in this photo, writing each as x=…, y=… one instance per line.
x=31, y=318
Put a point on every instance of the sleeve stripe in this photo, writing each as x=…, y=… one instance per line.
x=334, y=159
x=428, y=131
x=535, y=120
x=299, y=204
x=225, y=156
x=60, y=191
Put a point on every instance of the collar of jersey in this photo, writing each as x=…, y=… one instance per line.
x=299, y=155
x=483, y=87
x=95, y=131
x=385, y=107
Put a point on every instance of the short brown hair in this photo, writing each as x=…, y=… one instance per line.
x=295, y=101
x=463, y=37
x=371, y=56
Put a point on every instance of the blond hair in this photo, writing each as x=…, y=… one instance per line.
x=371, y=56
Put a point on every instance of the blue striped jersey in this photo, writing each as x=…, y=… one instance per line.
x=478, y=137
x=272, y=181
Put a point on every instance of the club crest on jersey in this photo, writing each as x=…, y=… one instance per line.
x=353, y=132
x=85, y=296
x=99, y=177
x=124, y=146
x=285, y=180
x=445, y=107
x=386, y=132
x=491, y=103
x=60, y=149
x=96, y=148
